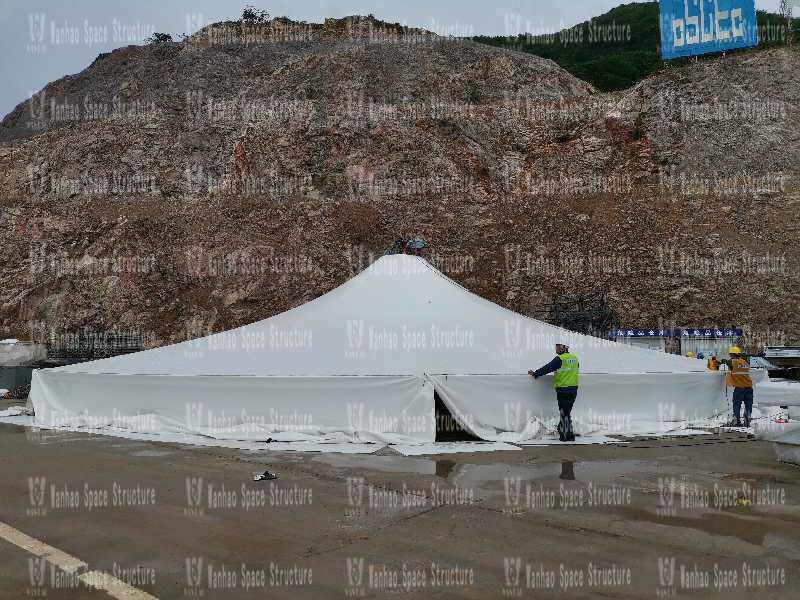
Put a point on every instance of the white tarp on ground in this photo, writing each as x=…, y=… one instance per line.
x=786, y=439
x=361, y=364
x=777, y=392
x=785, y=435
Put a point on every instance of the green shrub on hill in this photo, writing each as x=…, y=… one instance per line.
x=619, y=48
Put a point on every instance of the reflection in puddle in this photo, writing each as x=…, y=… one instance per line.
x=383, y=464
x=444, y=468
x=484, y=475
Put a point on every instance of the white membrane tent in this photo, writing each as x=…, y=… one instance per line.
x=361, y=364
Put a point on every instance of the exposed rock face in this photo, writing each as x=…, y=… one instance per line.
x=174, y=189
x=730, y=115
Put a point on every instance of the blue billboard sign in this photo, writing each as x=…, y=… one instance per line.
x=690, y=27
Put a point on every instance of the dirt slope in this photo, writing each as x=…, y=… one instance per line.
x=234, y=181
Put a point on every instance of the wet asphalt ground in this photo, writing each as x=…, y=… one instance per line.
x=712, y=516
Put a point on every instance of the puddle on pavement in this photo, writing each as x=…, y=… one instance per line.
x=594, y=471
x=782, y=546
x=483, y=475
x=750, y=477
x=385, y=464
x=567, y=470
x=151, y=453
x=444, y=468
x=717, y=523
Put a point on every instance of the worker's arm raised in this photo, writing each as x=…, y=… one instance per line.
x=553, y=365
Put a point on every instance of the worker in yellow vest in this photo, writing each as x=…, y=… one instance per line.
x=713, y=363
x=566, y=367
x=738, y=377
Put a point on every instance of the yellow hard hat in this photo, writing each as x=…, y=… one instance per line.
x=690, y=354
x=734, y=350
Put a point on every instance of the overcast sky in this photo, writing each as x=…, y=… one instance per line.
x=30, y=59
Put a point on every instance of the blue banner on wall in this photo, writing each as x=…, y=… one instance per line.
x=690, y=27
x=701, y=332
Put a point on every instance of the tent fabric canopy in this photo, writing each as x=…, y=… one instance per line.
x=362, y=363
x=398, y=317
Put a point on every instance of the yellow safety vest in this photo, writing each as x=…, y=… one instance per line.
x=739, y=375
x=567, y=375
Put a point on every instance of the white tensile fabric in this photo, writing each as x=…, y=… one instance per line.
x=361, y=363
x=516, y=408
x=785, y=437
x=777, y=392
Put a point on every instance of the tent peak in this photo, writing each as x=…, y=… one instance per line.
x=403, y=266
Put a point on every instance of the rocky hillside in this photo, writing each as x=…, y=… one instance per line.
x=179, y=188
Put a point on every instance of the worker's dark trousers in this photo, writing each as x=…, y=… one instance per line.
x=742, y=394
x=566, y=398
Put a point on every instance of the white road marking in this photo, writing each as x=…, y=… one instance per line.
x=97, y=579
x=54, y=556
x=113, y=586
